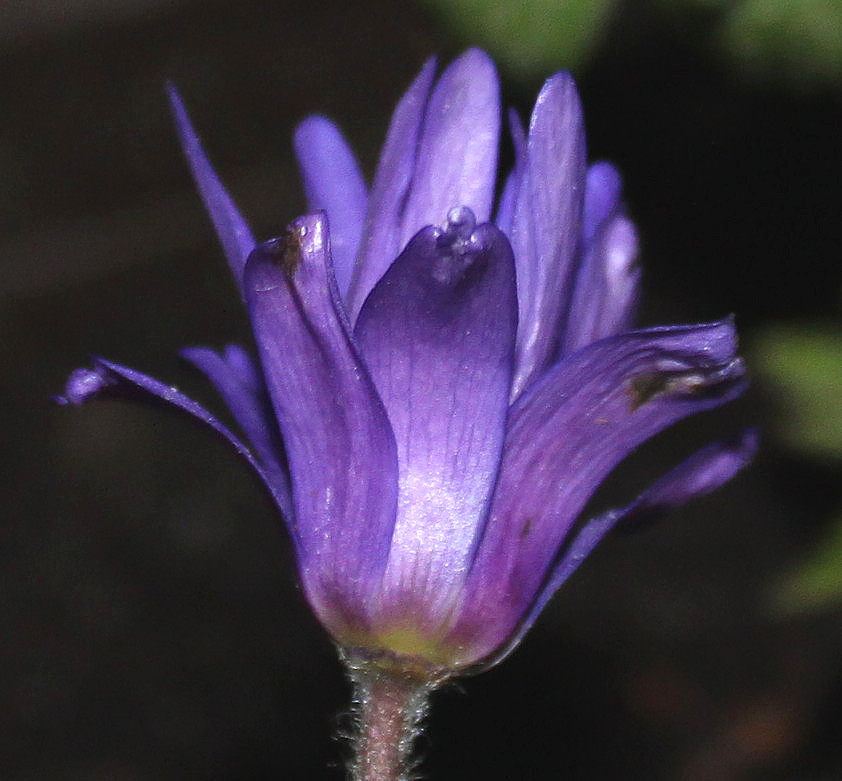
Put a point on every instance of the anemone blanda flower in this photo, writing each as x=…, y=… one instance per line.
x=444, y=381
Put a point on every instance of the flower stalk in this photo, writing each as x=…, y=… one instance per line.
x=391, y=699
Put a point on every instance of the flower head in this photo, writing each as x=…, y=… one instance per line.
x=444, y=380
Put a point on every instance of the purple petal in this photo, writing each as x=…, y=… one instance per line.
x=339, y=445
x=237, y=380
x=245, y=368
x=381, y=238
x=606, y=289
x=607, y=286
x=546, y=228
x=508, y=198
x=702, y=473
x=111, y=379
x=234, y=234
x=456, y=163
x=603, y=188
x=568, y=432
x=437, y=333
x=333, y=182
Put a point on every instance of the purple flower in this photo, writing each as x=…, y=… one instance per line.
x=444, y=381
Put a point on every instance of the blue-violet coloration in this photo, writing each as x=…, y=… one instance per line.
x=445, y=377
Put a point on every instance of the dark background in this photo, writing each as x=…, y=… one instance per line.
x=152, y=626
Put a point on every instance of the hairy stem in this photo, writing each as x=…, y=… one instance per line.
x=390, y=702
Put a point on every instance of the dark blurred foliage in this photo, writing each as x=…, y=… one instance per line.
x=152, y=627
x=795, y=43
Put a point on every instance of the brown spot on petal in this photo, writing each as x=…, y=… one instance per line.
x=645, y=387
x=527, y=527
x=288, y=250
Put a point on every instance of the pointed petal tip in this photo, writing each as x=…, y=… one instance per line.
x=702, y=473
x=560, y=78
x=231, y=228
x=173, y=95
x=561, y=86
x=184, y=125
x=603, y=190
x=283, y=258
x=715, y=340
x=606, y=172
x=558, y=111
x=313, y=135
x=475, y=57
x=313, y=122
x=82, y=385
x=713, y=466
x=475, y=67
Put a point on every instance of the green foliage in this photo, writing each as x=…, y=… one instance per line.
x=803, y=367
x=531, y=38
x=794, y=39
x=816, y=582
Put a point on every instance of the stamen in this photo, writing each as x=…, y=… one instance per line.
x=461, y=223
x=457, y=245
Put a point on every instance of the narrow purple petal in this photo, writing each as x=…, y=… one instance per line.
x=234, y=234
x=437, y=333
x=111, y=379
x=606, y=285
x=569, y=431
x=546, y=228
x=606, y=293
x=333, y=182
x=381, y=238
x=235, y=377
x=245, y=367
x=456, y=163
x=508, y=198
x=339, y=445
x=603, y=188
x=702, y=473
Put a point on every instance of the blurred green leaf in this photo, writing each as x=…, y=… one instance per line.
x=804, y=367
x=795, y=39
x=803, y=364
x=530, y=37
x=816, y=583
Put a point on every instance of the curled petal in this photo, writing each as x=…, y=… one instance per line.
x=233, y=231
x=456, y=163
x=111, y=379
x=236, y=378
x=437, y=333
x=333, y=182
x=546, y=226
x=702, y=473
x=569, y=431
x=339, y=444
